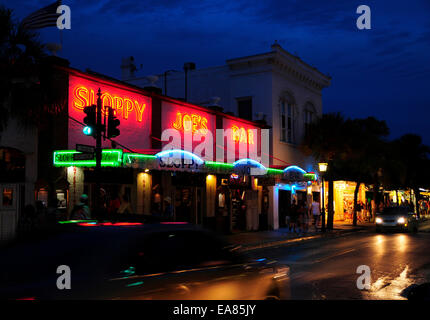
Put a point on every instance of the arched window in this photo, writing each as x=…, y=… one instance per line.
x=287, y=118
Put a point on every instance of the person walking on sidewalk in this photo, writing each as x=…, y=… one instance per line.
x=315, y=208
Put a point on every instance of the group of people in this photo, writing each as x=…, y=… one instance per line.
x=107, y=209
x=300, y=216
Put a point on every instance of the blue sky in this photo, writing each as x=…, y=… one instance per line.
x=382, y=72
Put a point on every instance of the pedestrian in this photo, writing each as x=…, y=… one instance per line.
x=294, y=216
x=81, y=211
x=301, y=215
x=306, y=217
x=316, y=213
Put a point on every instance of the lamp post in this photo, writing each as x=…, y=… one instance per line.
x=323, y=168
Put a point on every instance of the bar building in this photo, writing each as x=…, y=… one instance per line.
x=275, y=86
x=225, y=193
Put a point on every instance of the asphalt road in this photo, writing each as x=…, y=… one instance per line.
x=327, y=268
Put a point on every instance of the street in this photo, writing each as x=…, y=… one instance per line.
x=326, y=268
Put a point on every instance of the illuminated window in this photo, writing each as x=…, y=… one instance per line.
x=7, y=197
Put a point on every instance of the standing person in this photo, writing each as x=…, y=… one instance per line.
x=81, y=211
x=294, y=216
x=315, y=207
x=301, y=215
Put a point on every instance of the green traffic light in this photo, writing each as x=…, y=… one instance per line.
x=87, y=130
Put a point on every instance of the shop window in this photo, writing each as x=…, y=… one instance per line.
x=7, y=197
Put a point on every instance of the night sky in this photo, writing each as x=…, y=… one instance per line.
x=382, y=72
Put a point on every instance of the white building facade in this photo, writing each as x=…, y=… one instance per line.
x=276, y=86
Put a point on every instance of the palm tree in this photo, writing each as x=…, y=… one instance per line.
x=367, y=144
x=326, y=140
x=26, y=92
x=31, y=91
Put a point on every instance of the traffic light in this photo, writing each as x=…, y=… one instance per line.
x=113, y=123
x=90, y=121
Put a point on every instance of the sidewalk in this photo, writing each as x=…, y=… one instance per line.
x=261, y=239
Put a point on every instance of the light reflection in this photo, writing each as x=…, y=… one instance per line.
x=379, y=245
x=402, y=242
x=384, y=289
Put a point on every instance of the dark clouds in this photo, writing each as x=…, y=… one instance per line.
x=381, y=72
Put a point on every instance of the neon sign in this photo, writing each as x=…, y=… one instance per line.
x=84, y=96
x=242, y=135
x=190, y=122
x=132, y=108
x=294, y=173
x=179, y=159
x=110, y=158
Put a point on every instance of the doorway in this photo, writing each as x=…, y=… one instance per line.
x=284, y=205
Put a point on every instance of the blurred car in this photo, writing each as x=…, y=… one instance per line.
x=396, y=218
x=137, y=261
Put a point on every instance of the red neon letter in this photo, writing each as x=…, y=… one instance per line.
x=139, y=110
x=127, y=107
x=188, y=125
x=178, y=121
x=81, y=95
x=204, y=127
x=250, y=136
x=118, y=102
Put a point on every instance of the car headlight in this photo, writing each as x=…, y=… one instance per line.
x=401, y=220
x=378, y=220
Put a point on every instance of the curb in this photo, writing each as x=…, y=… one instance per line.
x=269, y=244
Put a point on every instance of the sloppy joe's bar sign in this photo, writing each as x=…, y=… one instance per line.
x=132, y=109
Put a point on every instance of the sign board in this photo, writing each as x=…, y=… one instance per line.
x=68, y=158
x=83, y=156
x=133, y=109
x=85, y=149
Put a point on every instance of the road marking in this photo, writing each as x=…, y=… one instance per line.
x=335, y=255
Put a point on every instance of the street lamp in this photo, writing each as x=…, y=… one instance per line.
x=322, y=166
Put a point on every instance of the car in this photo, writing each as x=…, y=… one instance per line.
x=120, y=260
x=396, y=218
